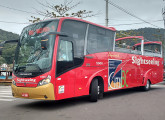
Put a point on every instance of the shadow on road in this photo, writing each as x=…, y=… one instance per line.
x=124, y=92
x=53, y=105
x=61, y=104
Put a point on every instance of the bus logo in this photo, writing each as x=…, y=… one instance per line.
x=114, y=79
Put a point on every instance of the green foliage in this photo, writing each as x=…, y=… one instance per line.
x=2, y=60
x=4, y=35
x=151, y=34
x=8, y=53
x=9, y=49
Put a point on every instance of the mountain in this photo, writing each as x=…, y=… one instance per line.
x=5, y=35
x=152, y=34
x=8, y=51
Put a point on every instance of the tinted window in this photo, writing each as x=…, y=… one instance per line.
x=77, y=32
x=65, y=51
x=99, y=40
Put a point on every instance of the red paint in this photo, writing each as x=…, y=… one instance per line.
x=130, y=37
x=26, y=95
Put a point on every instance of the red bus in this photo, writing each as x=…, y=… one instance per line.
x=154, y=48
x=68, y=57
x=145, y=59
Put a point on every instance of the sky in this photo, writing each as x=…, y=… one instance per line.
x=148, y=10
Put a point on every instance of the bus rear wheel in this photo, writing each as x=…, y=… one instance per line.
x=147, y=86
x=94, y=91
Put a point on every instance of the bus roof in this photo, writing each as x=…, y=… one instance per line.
x=77, y=19
x=130, y=37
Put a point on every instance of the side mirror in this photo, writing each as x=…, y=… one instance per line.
x=44, y=43
x=4, y=42
x=45, y=38
x=1, y=50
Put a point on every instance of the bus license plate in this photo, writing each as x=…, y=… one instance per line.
x=25, y=95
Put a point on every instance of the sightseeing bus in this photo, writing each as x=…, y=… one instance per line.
x=68, y=57
x=146, y=58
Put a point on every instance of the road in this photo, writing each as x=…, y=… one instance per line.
x=128, y=104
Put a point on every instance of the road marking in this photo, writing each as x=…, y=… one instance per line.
x=6, y=94
x=5, y=91
x=7, y=99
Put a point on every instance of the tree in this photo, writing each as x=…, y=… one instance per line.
x=2, y=60
x=61, y=10
x=8, y=53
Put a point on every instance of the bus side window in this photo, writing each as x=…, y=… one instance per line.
x=99, y=40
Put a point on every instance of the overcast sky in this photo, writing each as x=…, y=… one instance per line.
x=149, y=10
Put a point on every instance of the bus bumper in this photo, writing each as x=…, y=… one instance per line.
x=45, y=92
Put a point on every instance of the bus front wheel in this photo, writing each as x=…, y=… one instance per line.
x=94, y=91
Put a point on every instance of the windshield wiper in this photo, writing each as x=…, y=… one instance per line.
x=19, y=69
x=36, y=66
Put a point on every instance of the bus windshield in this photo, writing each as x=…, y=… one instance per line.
x=34, y=53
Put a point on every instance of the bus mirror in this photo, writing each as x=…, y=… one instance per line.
x=56, y=33
x=4, y=42
x=45, y=38
x=44, y=43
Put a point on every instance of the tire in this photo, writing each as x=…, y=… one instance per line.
x=147, y=86
x=94, y=91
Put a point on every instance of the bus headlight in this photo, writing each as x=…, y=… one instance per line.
x=13, y=82
x=45, y=81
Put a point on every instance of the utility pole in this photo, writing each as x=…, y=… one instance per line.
x=163, y=14
x=106, y=19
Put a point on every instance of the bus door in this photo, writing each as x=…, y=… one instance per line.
x=68, y=65
x=65, y=76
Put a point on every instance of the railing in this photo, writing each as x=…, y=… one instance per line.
x=5, y=75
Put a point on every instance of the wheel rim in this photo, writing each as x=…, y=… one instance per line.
x=147, y=85
x=98, y=89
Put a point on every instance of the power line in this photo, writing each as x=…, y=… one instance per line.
x=131, y=23
x=13, y=22
x=18, y=10
x=131, y=14
x=135, y=23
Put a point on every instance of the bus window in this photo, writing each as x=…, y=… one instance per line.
x=99, y=40
x=77, y=32
x=65, y=51
x=65, y=56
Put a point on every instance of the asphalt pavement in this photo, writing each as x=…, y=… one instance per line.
x=128, y=104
